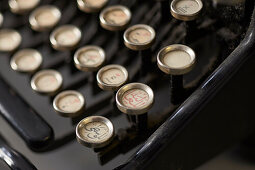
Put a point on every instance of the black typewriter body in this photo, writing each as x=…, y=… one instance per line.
x=216, y=113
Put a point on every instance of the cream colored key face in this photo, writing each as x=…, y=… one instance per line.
x=187, y=6
x=135, y=98
x=89, y=58
x=26, y=60
x=65, y=37
x=21, y=6
x=47, y=81
x=115, y=18
x=186, y=9
x=44, y=17
x=9, y=40
x=69, y=103
x=95, y=131
x=177, y=59
x=111, y=77
x=139, y=37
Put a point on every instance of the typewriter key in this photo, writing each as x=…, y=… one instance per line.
x=112, y=77
x=186, y=10
x=89, y=58
x=47, y=81
x=176, y=60
x=91, y=6
x=115, y=18
x=1, y=19
x=26, y=60
x=44, y=18
x=135, y=99
x=69, y=103
x=9, y=40
x=22, y=6
x=65, y=37
x=95, y=131
x=139, y=37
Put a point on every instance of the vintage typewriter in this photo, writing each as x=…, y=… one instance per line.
x=124, y=84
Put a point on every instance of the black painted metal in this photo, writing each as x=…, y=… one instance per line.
x=217, y=115
x=30, y=126
x=14, y=159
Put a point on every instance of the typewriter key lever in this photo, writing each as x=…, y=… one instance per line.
x=135, y=99
x=176, y=60
x=187, y=11
x=69, y=103
x=91, y=6
x=140, y=38
x=111, y=78
x=95, y=132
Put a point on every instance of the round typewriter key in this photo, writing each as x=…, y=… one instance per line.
x=135, y=98
x=89, y=58
x=65, y=37
x=139, y=37
x=90, y=6
x=26, y=60
x=69, y=103
x=176, y=60
x=115, y=18
x=47, y=81
x=186, y=10
x=9, y=40
x=22, y=6
x=112, y=77
x=95, y=131
x=1, y=19
x=44, y=18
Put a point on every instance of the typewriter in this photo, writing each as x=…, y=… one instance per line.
x=124, y=84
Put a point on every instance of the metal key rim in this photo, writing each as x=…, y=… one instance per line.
x=114, y=27
x=68, y=113
x=88, y=8
x=36, y=54
x=90, y=119
x=55, y=73
x=15, y=8
x=111, y=87
x=58, y=30
x=134, y=111
x=185, y=17
x=83, y=67
x=174, y=70
x=139, y=46
x=34, y=23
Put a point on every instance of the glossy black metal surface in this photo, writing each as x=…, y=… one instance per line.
x=12, y=158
